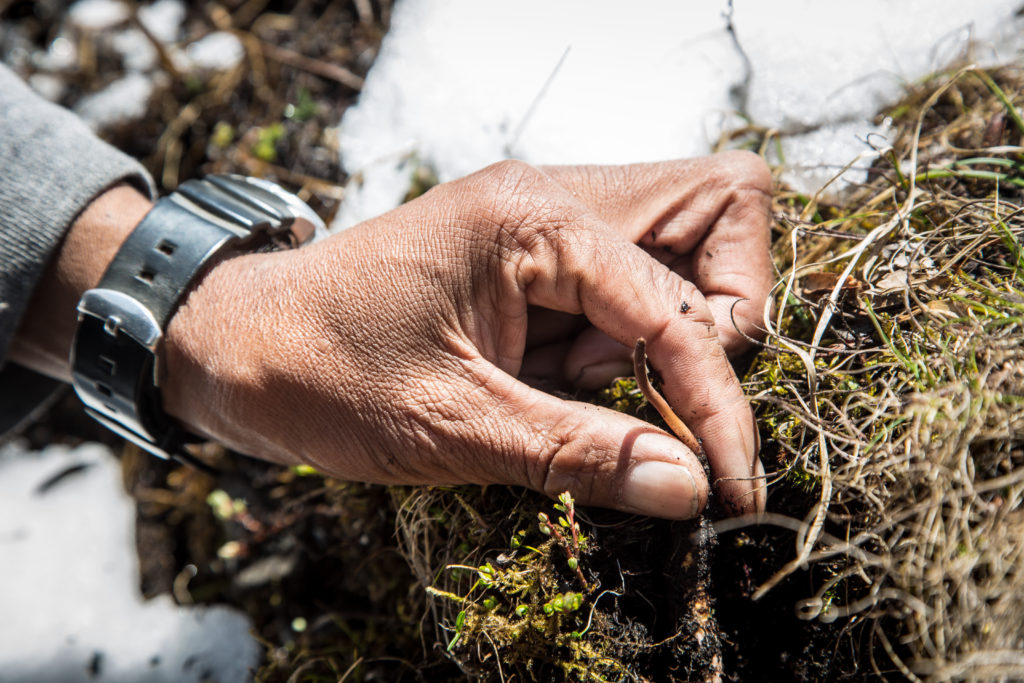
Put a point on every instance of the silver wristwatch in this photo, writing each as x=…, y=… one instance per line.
x=121, y=323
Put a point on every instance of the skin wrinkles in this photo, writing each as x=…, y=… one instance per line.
x=567, y=462
x=508, y=400
x=437, y=427
x=388, y=352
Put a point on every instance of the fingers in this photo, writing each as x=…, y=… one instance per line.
x=526, y=437
x=595, y=359
x=713, y=212
x=566, y=259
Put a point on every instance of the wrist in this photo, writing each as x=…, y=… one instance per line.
x=44, y=337
x=218, y=364
x=201, y=367
x=117, y=356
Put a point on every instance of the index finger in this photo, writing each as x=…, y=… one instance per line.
x=711, y=213
x=568, y=259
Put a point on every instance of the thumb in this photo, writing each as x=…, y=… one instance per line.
x=600, y=456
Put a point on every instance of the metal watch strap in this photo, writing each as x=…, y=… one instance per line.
x=121, y=322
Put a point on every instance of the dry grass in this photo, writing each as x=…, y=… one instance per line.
x=892, y=386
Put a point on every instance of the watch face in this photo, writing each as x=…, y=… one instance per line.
x=307, y=225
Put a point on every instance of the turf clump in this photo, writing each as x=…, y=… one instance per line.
x=891, y=387
x=525, y=589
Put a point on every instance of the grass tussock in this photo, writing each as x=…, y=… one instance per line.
x=891, y=388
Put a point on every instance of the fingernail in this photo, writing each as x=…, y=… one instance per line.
x=660, y=488
x=598, y=375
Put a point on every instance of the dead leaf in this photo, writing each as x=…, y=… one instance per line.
x=813, y=284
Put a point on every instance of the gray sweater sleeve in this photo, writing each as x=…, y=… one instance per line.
x=51, y=167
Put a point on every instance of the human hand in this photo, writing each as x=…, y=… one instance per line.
x=389, y=353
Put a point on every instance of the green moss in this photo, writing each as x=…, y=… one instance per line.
x=534, y=603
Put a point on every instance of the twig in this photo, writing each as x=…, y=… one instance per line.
x=333, y=72
x=658, y=401
x=533, y=105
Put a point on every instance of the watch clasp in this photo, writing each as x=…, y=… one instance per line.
x=121, y=313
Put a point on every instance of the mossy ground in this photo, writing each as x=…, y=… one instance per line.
x=888, y=392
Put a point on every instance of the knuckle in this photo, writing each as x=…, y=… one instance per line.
x=555, y=452
x=696, y=306
x=568, y=466
x=508, y=178
x=751, y=167
x=516, y=198
x=574, y=462
x=746, y=171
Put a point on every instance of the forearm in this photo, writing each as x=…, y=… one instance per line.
x=51, y=168
x=44, y=336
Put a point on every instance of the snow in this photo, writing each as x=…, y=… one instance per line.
x=163, y=19
x=461, y=84
x=219, y=50
x=97, y=15
x=124, y=100
x=69, y=585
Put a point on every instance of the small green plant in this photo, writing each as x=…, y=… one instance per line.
x=224, y=506
x=223, y=135
x=302, y=110
x=533, y=602
x=622, y=395
x=267, y=137
x=567, y=520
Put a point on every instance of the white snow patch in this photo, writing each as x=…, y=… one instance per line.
x=136, y=50
x=461, y=84
x=219, y=50
x=163, y=19
x=123, y=100
x=69, y=585
x=822, y=71
x=50, y=87
x=96, y=15
x=60, y=54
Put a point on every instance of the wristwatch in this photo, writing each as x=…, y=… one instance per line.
x=121, y=322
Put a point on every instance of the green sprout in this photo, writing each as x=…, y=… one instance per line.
x=223, y=135
x=303, y=110
x=224, y=506
x=460, y=623
x=267, y=137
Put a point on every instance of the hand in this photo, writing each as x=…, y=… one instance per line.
x=390, y=353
